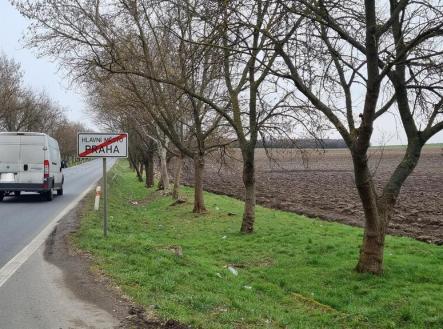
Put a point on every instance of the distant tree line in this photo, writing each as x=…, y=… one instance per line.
x=306, y=143
x=24, y=109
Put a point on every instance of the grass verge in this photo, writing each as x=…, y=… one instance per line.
x=294, y=272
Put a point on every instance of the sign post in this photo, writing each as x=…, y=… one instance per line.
x=105, y=201
x=103, y=145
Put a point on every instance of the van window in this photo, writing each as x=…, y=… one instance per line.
x=53, y=154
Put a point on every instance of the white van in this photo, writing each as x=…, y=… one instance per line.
x=30, y=162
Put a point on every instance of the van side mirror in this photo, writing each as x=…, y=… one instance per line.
x=64, y=164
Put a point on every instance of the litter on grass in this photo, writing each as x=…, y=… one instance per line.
x=233, y=270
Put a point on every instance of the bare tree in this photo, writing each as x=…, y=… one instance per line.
x=22, y=109
x=10, y=88
x=133, y=59
x=388, y=53
x=114, y=109
x=65, y=132
x=123, y=38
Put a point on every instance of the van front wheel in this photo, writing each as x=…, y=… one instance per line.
x=60, y=191
x=2, y=195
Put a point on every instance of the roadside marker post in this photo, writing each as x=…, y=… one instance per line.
x=102, y=145
x=98, y=190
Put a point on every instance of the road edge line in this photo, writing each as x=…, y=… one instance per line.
x=8, y=270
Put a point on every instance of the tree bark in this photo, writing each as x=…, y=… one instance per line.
x=133, y=165
x=177, y=177
x=164, y=175
x=199, y=166
x=372, y=249
x=149, y=169
x=378, y=210
x=249, y=184
x=131, y=161
x=141, y=166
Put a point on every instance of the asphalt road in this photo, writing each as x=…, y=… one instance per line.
x=35, y=295
x=21, y=219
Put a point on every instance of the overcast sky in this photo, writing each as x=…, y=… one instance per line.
x=39, y=73
x=42, y=74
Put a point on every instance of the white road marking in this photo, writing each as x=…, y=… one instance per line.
x=18, y=260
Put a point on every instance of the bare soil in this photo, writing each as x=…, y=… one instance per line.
x=321, y=184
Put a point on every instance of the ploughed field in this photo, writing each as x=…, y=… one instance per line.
x=321, y=184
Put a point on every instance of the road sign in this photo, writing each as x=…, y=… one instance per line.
x=102, y=145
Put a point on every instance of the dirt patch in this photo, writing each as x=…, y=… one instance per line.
x=145, y=201
x=322, y=185
x=91, y=285
x=140, y=202
x=137, y=319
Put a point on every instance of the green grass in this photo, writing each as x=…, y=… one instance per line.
x=293, y=272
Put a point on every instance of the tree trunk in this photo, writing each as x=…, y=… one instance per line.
x=378, y=210
x=131, y=162
x=164, y=175
x=177, y=177
x=141, y=166
x=249, y=184
x=371, y=251
x=139, y=173
x=199, y=166
x=133, y=165
x=149, y=169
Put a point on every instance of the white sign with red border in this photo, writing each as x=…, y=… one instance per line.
x=102, y=145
